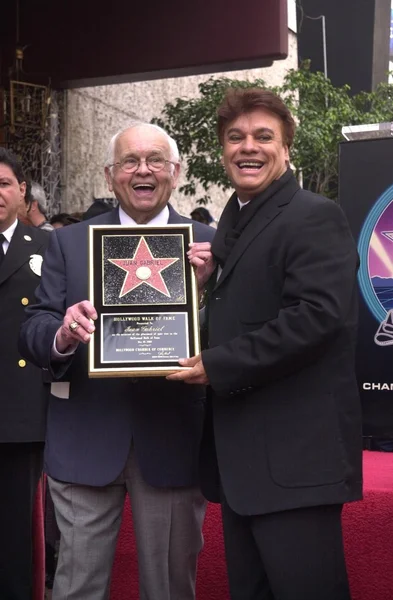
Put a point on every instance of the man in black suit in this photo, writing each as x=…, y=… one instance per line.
x=284, y=426
x=107, y=436
x=22, y=397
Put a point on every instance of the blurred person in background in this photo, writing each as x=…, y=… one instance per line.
x=62, y=220
x=202, y=215
x=98, y=207
x=33, y=211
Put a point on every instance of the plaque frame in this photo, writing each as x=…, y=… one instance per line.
x=104, y=278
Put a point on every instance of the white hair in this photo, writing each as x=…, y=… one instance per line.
x=38, y=194
x=173, y=149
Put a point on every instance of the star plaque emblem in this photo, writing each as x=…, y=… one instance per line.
x=143, y=268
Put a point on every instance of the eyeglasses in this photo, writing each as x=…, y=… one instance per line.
x=153, y=163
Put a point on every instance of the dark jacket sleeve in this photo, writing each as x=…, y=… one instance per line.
x=44, y=318
x=317, y=294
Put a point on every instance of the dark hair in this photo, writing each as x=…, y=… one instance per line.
x=238, y=101
x=7, y=157
x=64, y=218
x=202, y=212
x=98, y=207
x=78, y=215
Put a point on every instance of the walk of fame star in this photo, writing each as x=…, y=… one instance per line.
x=143, y=268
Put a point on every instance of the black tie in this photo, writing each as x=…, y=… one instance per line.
x=2, y=239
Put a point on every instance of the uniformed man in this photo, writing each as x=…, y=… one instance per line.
x=22, y=398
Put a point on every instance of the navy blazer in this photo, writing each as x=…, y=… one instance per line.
x=89, y=434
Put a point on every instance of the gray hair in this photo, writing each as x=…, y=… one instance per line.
x=173, y=149
x=37, y=193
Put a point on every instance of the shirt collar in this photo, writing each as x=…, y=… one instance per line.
x=160, y=219
x=241, y=204
x=8, y=233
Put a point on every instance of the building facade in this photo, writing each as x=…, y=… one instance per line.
x=93, y=114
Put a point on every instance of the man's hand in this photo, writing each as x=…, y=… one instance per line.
x=78, y=317
x=196, y=374
x=202, y=260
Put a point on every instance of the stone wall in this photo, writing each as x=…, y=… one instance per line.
x=94, y=114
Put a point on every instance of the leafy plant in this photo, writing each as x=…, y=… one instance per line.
x=320, y=109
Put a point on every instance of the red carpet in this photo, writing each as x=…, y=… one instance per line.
x=368, y=535
x=368, y=531
x=212, y=578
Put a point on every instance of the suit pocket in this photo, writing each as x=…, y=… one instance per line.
x=304, y=444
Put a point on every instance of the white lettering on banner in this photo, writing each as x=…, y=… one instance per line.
x=381, y=387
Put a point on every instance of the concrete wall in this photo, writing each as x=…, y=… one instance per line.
x=94, y=114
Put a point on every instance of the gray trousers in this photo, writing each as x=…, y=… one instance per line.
x=167, y=526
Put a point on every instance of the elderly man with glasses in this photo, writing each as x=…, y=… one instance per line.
x=109, y=436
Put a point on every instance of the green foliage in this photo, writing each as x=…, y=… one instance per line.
x=320, y=109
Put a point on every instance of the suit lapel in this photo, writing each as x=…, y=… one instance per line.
x=113, y=217
x=174, y=217
x=265, y=215
x=108, y=218
x=23, y=245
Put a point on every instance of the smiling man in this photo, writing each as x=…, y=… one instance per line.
x=282, y=446
x=106, y=437
x=142, y=170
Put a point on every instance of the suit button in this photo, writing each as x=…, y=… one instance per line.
x=231, y=393
x=25, y=301
x=22, y=363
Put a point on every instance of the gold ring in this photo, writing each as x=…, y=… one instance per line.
x=73, y=326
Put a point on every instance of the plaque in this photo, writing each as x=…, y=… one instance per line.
x=145, y=293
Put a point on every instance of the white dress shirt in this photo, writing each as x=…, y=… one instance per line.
x=158, y=220
x=8, y=233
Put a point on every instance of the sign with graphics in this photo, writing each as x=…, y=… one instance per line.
x=366, y=195
x=376, y=268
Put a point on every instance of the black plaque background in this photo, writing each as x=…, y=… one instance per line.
x=96, y=258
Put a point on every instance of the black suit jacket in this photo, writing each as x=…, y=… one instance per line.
x=23, y=397
x=89, y=434
x=282, y=325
